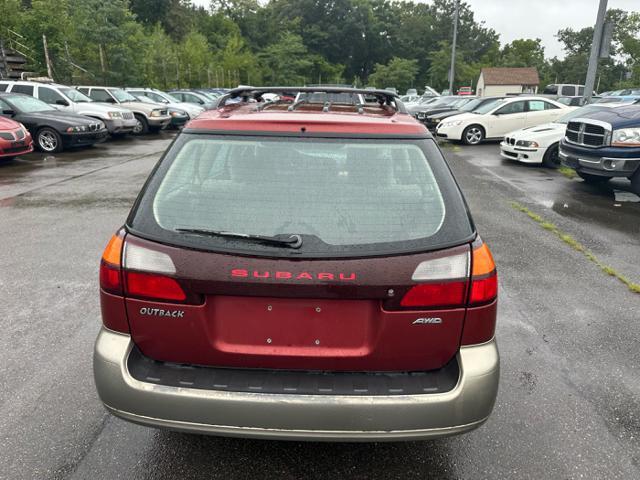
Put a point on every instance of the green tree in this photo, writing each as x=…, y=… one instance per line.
x=399, y=73
x=287, y=61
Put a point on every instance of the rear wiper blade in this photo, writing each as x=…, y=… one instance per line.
x=293, y=241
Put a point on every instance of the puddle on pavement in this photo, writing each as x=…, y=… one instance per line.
x=624, y=196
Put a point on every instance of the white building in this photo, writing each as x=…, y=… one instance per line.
x=496, y=81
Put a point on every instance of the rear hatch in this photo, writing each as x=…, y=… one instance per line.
x=380, y=281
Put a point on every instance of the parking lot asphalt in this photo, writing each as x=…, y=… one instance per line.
x=569, y=401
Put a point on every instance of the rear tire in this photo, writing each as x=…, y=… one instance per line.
x=473, y=135
x=635, y=182
x=551, y=158
x=48, y=140
x=592, y=179
x=142, y=127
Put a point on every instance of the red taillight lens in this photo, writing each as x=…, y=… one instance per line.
x=149, y=285
x=448, y=294
x=110, y=280
x=484, y=290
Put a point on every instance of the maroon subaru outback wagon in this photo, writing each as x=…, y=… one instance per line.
x=303, y=270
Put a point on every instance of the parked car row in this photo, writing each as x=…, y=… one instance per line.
x=58, y=116
x=599, y=141
x=495, y=119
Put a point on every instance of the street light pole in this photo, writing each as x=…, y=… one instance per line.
x=452, y=70
x=595, y=52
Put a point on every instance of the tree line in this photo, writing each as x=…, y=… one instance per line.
x=382, y=43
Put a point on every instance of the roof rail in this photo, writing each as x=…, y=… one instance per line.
x=383, y=97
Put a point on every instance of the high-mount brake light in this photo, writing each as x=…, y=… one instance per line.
x=445, y=283
x=110, y=274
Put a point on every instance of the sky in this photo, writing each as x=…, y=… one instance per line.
x=534, y=18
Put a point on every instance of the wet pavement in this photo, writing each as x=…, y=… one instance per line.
x=569, y=401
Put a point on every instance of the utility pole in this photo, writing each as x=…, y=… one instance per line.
x=102, y=65
x=452, y=70
x=46, y=56
x=595, y=51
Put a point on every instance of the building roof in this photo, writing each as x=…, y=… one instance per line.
x=510, y=76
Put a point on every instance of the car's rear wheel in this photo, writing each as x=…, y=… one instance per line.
x=48, y=140
x=142, y=126
x=473, y=135
x=635, y=182
x=551, y=158
x=592, y=179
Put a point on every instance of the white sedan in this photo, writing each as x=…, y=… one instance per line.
x=540, y=144
x=495, y=119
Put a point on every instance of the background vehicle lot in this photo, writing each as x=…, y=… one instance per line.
x=568, y=402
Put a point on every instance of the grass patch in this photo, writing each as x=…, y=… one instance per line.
x=567, y=172
x=577, y=246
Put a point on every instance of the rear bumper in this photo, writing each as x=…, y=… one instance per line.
x=295, y=416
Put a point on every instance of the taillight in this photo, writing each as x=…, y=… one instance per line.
x=480, y=321
x=148, y=275
x=443, y=283
x=484, y=280
x=110, y=274
x=435, y=295
x=152, y=286
x=114, y=314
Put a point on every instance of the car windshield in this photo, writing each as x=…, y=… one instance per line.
x=344, y=195
x=28, y=104
x=74, y=95
x=487, y=107
x=208, y=96
x=578, y=113
x=121, y=95
x=428, y=100
x=612, y=99
x=472, y=105
x=168, y=97
x=460, y=103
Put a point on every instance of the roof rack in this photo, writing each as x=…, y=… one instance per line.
x=383, y=97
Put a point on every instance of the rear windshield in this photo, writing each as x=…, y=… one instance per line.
x=343, y=197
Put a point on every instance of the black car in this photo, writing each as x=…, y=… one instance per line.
x=433, y=119
x=421, y=110
x=52, y=130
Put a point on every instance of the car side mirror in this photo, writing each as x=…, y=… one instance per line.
x=64, y=103
x=8, y=112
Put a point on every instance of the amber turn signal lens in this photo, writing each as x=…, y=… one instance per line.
x=113, y=251
x=483, y=263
